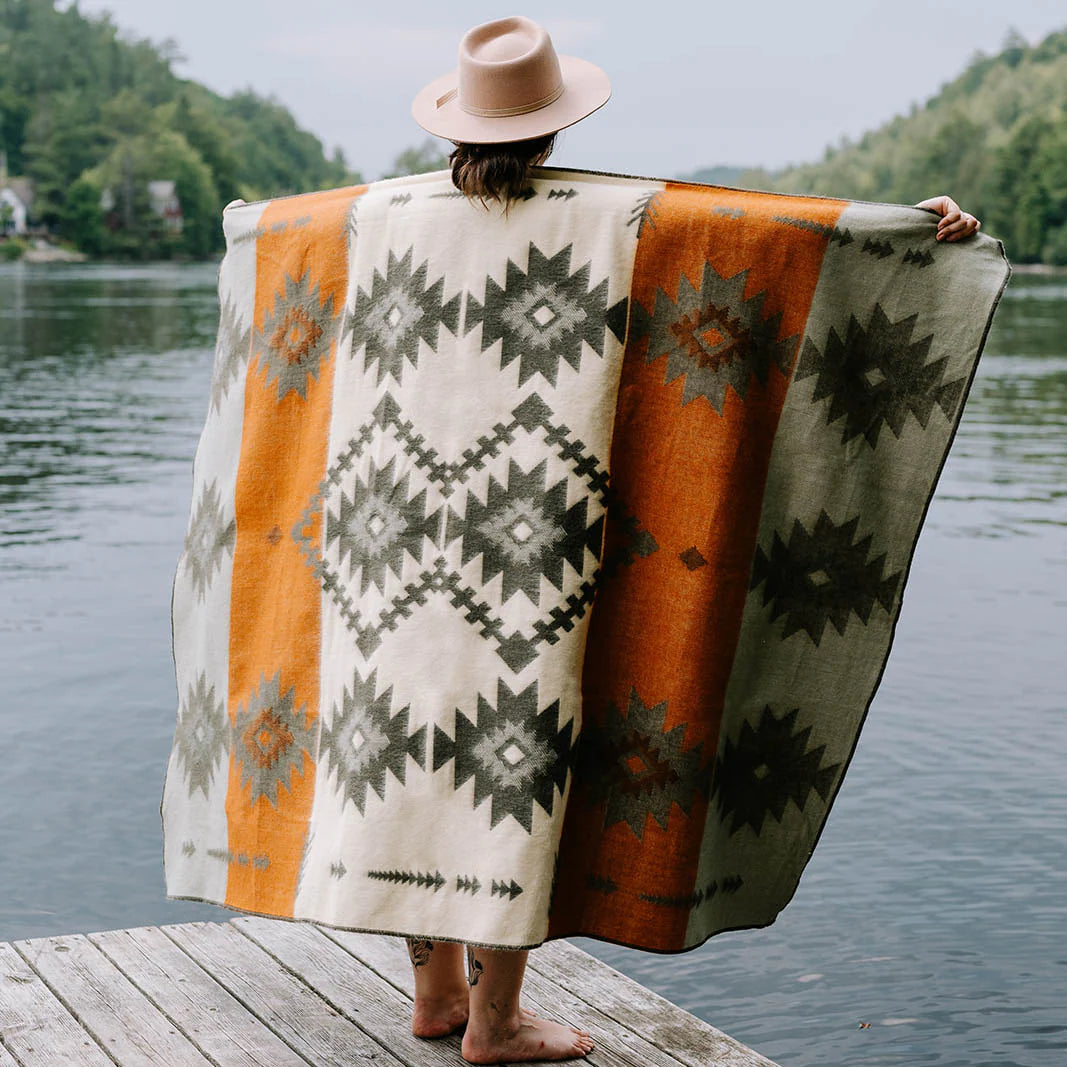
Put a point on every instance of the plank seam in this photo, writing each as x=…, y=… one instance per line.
x=70, y=1011
x=10, y=1051
x=626, y=983
x=374, y=970
x=621, y=1054
x=174, y=1022
x=322, y=996
x=236, y=996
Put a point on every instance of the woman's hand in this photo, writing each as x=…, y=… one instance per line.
x=954, y=224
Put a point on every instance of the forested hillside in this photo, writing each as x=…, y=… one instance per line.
x=995, y=139
x=92, y=118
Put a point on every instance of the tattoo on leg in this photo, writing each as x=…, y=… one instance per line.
x=419, y=949
x=474, y=968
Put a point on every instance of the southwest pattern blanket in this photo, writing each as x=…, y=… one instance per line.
x=542, y=565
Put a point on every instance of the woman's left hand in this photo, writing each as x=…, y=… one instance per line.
x=954, y=224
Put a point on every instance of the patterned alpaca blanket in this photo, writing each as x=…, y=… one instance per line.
x=436, y=433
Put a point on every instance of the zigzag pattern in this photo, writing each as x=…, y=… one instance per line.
x=644, y=211
x=600, y=884
x=509, y=889
x=920, y=258
x=879, y=248
x=416, y=878
x=260, y=862
x=250, y=235
x=842, y=237
x=730, y=884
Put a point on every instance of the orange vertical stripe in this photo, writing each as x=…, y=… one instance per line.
x=275, y=626
x=694, y=479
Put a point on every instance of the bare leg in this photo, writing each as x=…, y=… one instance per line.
x=500, y=1031
x=441, y=991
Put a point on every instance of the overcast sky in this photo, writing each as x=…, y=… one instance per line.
x=694, y=84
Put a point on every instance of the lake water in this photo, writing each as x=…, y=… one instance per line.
x=935, y=908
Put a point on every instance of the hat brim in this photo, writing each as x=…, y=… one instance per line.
x=586, y=88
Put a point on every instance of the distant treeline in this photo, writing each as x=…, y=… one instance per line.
x=92, y=118
x=995, y=139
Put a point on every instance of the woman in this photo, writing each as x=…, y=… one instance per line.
x=445, y=418
x=502, y=108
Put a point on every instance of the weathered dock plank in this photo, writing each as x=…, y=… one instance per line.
x=34, y=1025
x=212, y=1018
x=278, y=998
x=352, y=988
x=258, y=992
x=689, y=1040
x=617, y=1045
x=125, y=1023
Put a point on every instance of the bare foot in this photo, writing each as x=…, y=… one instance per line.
x=442, y=996
x=439, y=1016
x=530, y=1038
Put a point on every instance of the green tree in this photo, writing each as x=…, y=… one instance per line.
x=80, y=99
x=422, y=159
x=82, y=221
x=994, y=139
x=132, y=227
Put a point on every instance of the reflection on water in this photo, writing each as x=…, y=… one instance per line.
x=934, y=907
x=95, y=366
x=1010, y=453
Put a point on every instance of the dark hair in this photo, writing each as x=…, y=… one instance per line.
x=498, y=171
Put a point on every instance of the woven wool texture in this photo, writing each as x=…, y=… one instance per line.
x=542, y=566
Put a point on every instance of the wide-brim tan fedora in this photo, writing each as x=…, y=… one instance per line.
x=510, y=85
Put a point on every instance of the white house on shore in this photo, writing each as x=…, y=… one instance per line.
x=15, y=200
x=163, y=196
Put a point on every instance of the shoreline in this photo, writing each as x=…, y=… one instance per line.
x=1038, y=268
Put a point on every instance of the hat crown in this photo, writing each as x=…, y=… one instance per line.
x=508, y=66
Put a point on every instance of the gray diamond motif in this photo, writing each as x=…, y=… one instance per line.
x=771, y=765
x=525, y=530
x=377, y=524
x=271, y=739
x=231, y=351
x=877, y=375
x=202, y=737
x=636, y=767
x=713, y=337
x=400, y=312
x=517, y=755
x=827, y=575
x=366, y=740
x=296, y=336
x=545, y=314
x=210, y=538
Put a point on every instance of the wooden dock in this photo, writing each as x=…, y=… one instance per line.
x=255, y=992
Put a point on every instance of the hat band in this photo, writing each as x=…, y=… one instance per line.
x=502, y=112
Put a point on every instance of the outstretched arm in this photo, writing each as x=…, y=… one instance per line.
x=954, y=224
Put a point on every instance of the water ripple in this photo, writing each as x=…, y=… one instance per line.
x=933, y=909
